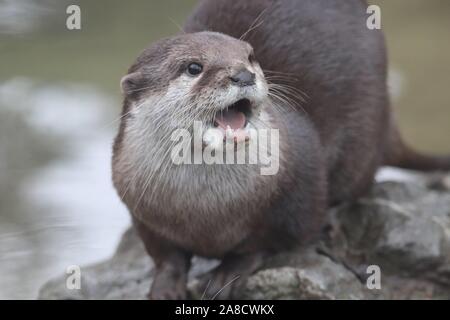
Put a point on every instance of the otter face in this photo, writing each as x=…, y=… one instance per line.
x=206, y=76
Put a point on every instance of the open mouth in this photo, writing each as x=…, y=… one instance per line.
x=235, y=116
x=231, y=125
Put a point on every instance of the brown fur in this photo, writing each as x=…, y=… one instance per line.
x=331, y=144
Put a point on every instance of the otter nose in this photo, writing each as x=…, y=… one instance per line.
x=243, y=78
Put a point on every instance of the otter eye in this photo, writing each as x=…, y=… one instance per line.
x=194, y=69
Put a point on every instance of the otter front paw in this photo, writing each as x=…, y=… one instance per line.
x=168, y=284
x=228, y=279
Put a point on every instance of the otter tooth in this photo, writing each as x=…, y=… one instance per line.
x=229, y=133
x=213, y=137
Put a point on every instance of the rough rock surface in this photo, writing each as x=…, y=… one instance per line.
x=401, y=227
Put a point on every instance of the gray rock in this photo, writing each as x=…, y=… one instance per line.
x=312, y=276
x=127, y=275
x=401, y=227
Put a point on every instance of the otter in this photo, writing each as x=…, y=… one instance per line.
x=310, y=69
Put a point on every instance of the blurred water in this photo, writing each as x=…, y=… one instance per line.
x=18, y=17
x=66, y=211
x=58, y=99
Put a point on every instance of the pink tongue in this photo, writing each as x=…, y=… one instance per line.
x=234, y=119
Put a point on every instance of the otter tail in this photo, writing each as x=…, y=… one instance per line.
x=401, y=155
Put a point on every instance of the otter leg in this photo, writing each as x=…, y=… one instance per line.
x=171, y=266
x=227, y=280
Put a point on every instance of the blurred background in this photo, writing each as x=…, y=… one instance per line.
x=60, y=100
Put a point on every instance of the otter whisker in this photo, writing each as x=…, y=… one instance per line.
x=294, y=95
x=285, y=100
x=278, y=72
x=296, y=92
x=285, y=106
x=156, y=128
x=252, y=25
x=159, y=171
x=177, y=25
x=226, y=285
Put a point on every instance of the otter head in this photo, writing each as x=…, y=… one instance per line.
x=207, y=77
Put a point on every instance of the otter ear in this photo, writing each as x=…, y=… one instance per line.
x=131, y=82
